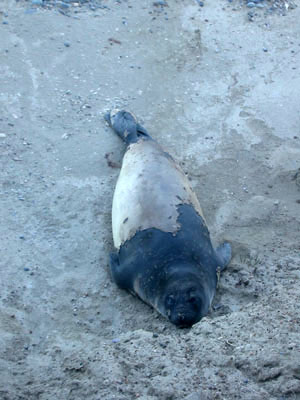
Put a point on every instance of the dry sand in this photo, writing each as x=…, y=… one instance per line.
x=220, y=92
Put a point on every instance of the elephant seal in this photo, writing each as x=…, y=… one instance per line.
x=164, y=254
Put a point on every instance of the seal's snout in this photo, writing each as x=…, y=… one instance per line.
x=185, y=315
x=185, y=320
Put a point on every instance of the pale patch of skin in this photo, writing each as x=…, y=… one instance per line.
x=149, y=189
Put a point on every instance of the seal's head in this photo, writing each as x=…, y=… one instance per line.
x=186, y=296
x=184, y=306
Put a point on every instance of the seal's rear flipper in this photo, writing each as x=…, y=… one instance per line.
x=223, y=253
x=141, y=131
x=125, y=125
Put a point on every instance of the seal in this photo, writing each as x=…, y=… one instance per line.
x=164, y=253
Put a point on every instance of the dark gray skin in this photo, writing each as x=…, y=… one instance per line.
x=176, y=273
x=173, y=274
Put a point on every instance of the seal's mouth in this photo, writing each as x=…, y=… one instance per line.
x=185, y=320
x=184, y=326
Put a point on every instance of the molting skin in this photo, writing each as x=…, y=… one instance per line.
x=163, y=248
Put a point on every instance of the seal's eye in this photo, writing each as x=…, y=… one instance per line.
x=193, y=300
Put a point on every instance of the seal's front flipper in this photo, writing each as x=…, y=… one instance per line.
x=223, y=253
x=119, y=274
x=115, y=269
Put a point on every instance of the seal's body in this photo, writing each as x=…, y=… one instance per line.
x=164, y=253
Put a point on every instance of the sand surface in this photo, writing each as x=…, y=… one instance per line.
x=220, y=90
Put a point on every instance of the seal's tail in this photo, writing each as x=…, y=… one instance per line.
x=126, y=126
